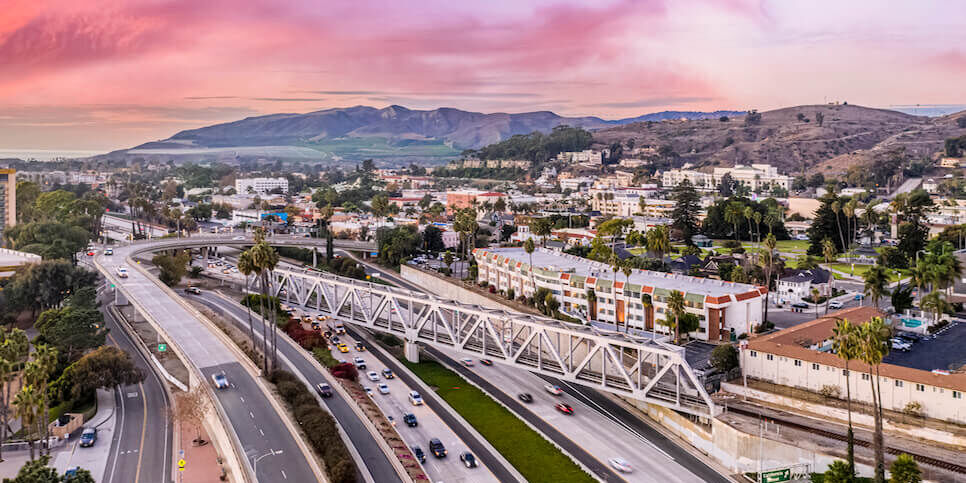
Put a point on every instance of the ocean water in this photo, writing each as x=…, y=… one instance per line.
x=46, y=154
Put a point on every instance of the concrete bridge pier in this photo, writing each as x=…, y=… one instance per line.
x=411, y=350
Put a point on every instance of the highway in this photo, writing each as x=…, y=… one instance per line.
x=252, y=418
x=395, y=404
x=142, y=439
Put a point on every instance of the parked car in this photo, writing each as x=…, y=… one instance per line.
x=800, y=305
x=835, y=304
x=324, y=389
x=900, y=345
x=220, y=380
x=436, y=447
x=88, y=437
x=415, y=398
x=468, y=459
x=410, y=420
x=418, y=453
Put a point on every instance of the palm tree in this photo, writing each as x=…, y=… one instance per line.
x=876, y=280
x=921, y=275
x=837, y=208
x=936, y=303
x=675, y=305
x=628, y=270
x=659, y=241
x=28, y=402
x=247, y=267
x=828, y=250
x=43, y=365
x=266, y=258
x=815, y=295
x=769, y=265
x=873, y=347
x=528, y=247
x=846, y=347
x=733, y=213
x=648, y=304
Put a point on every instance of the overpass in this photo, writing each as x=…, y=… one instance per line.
x=239, y=240
x=623, y=364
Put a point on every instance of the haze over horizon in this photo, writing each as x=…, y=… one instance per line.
x=110, y=74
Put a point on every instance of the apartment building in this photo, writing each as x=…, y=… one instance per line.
x=588, y=156
x=802, y=357
x=457, y=200
x=725, y=309
x=757, y=177
x=260, y=185
x=8, y=199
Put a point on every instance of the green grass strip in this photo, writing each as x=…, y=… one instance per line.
x=532, y=455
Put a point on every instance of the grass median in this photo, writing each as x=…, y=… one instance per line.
x=532, y=455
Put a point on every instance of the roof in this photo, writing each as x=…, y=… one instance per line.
x=813, y=275
x=794, y=342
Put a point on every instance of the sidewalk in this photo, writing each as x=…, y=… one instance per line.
x=201, y=462
x=94, y=458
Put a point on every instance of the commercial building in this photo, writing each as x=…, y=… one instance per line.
x=802, y=357
x=457, y=200
x=260, y=185
x=758, y=178
x=8, y=199
x=724, y=309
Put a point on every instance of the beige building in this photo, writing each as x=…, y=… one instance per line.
x=8, y=198
x=801, y=357
x=759, y=178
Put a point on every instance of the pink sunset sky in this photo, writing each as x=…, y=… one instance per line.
x=103, y=74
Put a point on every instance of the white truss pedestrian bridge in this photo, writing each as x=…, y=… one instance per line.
x=627, y=365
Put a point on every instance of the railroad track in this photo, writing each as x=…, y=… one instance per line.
x=946, y=465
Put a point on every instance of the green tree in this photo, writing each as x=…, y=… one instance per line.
x=172, y=267
x=826, y=224
x=845, y=344
x=38, y=372
x=27, y=193
x=768, y=265
x=105, y=367
x=658, y=241
x=28, y=402
x=686, y=209
x=838, y=472
x=397, y=244
x=542, y=227
x=905, y=470
x=902, y=299
x=37, y=471
x=433, y=239
x=876, y=281
x=828, y=250
x=874, y=338
x=675, y=305
x=46, y=284
x=72, y=331
x=733, y=214
x=380, y=205
x=14, y=348
x=936, y=303
x=724, y=357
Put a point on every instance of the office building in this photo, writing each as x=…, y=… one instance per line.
x=260, y=185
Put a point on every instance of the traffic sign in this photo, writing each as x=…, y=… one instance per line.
x=776, y=476
x=181, y=463
x=162, y=347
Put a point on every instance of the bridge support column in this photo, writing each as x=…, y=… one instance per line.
x=315, y=257
x=120, y=299
x=411, y=351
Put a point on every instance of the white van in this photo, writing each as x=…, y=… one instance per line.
x=415, y=398
x=122, y=271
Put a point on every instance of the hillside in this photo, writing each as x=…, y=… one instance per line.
x=849, y=135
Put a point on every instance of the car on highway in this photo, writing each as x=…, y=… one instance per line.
x=387, y=373
x=468, y=459
x=360, y=347
x=466, y=361
x=391, y=420
x=335, y=340
x=238, y=238
x=410, y=420
x=564, y=408
x=436, y=447
x=415, y=398
x=220, y=380
x=193, y=290
x=800, y=305
x=109, y=251
x=373, y=376
x=835, y=304
x=90, y=253
x=620, y=464
x=321, y=318
x=383, y=388
x=121, y=271
x=418, y=453
x=343, y=348
x=360, y=363
x=553, y=389
x=368, y=390
x=324, y=389
x=525, y=397
x=486, y=362
x=88, y=437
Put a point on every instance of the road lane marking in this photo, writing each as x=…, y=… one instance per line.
x=242, y=399
x=251, y=414
x=284, y=475
x=260, y=431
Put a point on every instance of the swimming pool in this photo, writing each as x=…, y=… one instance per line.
x=909, y=322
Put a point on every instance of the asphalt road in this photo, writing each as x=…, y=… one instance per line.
x=142, y=441
x=377, y=465
x=207, y=352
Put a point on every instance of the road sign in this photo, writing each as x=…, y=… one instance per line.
x=181, y=464
x=776, y=476
x=162, y=347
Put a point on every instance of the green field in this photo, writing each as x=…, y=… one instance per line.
x=376, y=148
x=861, y=270
x=533, y=456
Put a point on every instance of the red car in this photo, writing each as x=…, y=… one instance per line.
x=486, y=362
x=564, y=408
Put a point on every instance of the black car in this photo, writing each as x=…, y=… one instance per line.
x=436, y=447
x=800, y=305
x=418, y=453
x=525, y=397
x=468, y=459
x=485, y=362
x=324, y=389
x=410, y=420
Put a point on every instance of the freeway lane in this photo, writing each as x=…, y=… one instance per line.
x=377, y=466
x=205, y=350
x=141, y=446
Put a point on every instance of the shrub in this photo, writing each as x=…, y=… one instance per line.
x=724, y=357
x=289, y=390
x=932, y=329
x=511, y=294
x=346, y=371
x=831, y=392
x=324, y=356
x=388, y=339
x=731, y=244
x=913, y=408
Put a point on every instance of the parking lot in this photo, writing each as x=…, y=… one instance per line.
x=944, y=351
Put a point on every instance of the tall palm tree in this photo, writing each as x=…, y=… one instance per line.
x=628, y=270
x=28, y=402
x=873, y=347
x=846, y=347
x=675, y=305
x=648, y=303
x=828, y=250
x=837, y=208
x=936, y=303
x=733, y=214
x=44, y=364
x=659, y=241
x=528, y=246
x=768, y=265
x=749, y=215
x=876, y=280
x=921, y=275
x=815, y=295
x=247, y=268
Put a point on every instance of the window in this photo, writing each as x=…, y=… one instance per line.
x=754, y=354
x=770, y=357
x=814, y=367
x=865, y=377
x=920, y=388
x=957, y=395
x=898, y=383
x=798, y=363
x=845, y=372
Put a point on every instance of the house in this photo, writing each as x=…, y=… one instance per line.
x=683, y=264
x=797, y=285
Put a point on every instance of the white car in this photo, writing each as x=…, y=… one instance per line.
x=552, y=389
x=900, y=345
x=415, y=398
x=835, y=304
x=620, y=464
x=466, y=361
x=238, y=238
x=383, y=388
x=121, y=271
x=373, y=376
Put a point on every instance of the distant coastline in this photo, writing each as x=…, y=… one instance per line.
x=45, y=154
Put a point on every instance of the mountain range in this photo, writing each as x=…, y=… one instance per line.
x=391, y=133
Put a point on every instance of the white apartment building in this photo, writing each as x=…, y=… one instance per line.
x=575, y=184
x=757, y=177
x=586, y=156
x=260, y=185
x=801, y=357
x=723, y=308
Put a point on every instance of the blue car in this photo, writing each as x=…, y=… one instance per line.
x=88, y=437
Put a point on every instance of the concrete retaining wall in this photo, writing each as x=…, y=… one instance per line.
x=447, y=289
